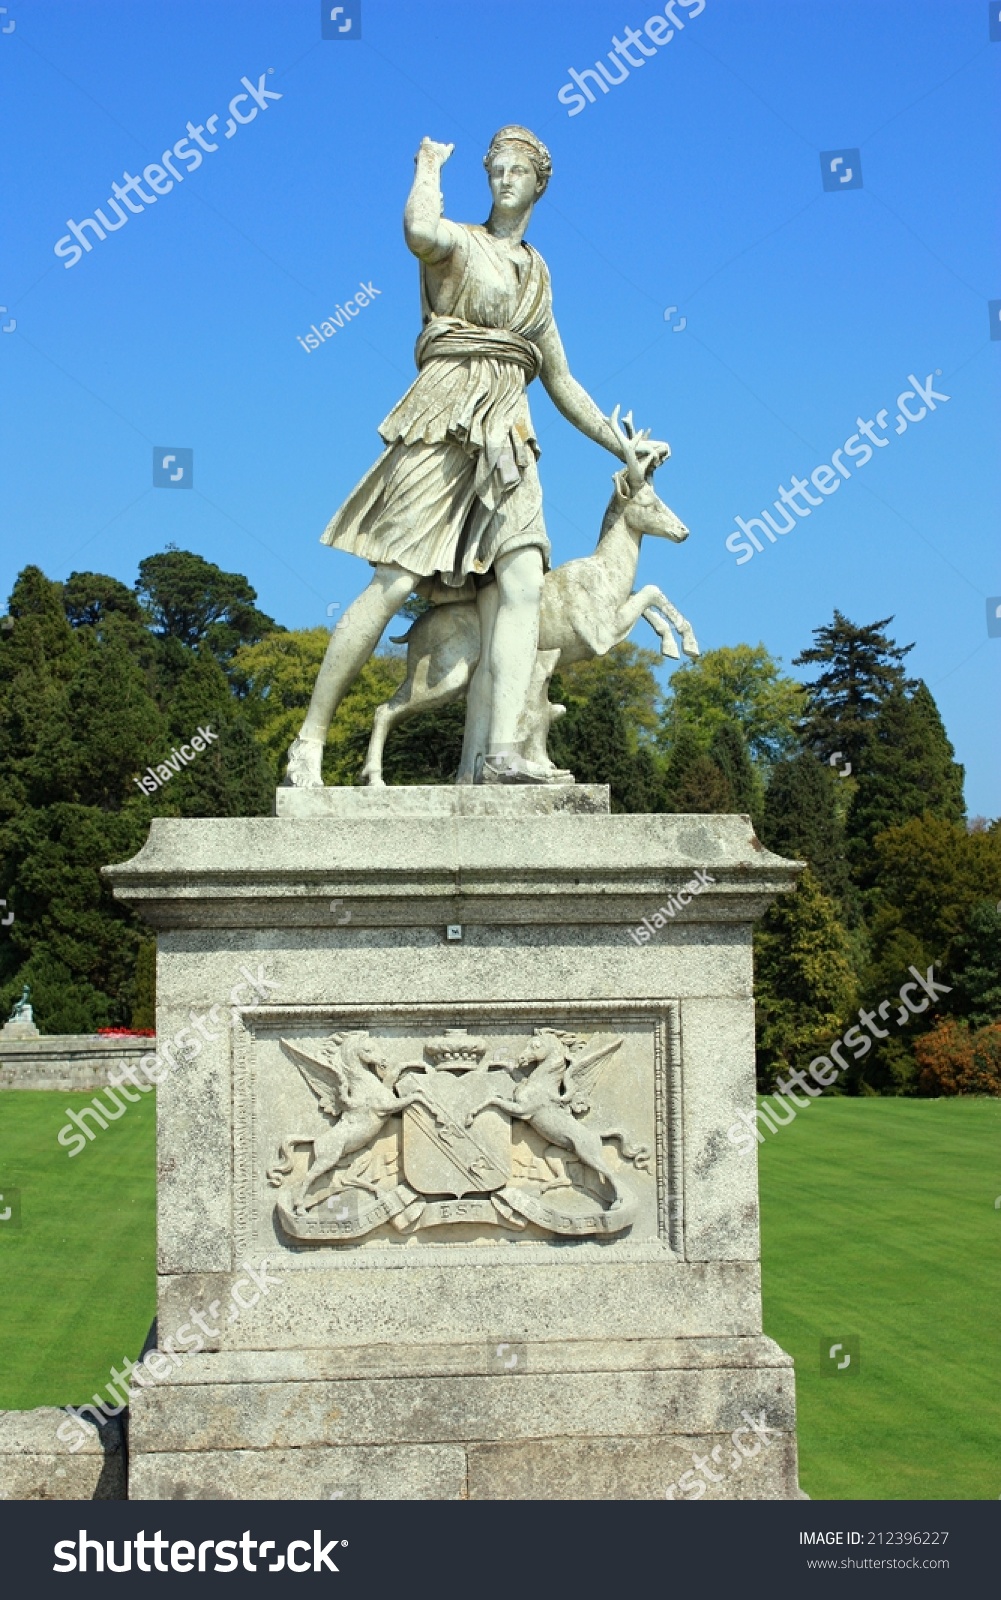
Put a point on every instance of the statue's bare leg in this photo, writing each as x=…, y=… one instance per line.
x=511, y=654
x=351, y=643
x=510, y=657
x=514, y=642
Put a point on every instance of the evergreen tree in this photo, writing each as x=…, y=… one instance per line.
x=90, y=598
x=861, y=667
x=929, y=875
x=729, y=751
x=803, y=980
x=39, y=653
x=231, y=778
x=102, y=728
x=593, y=742
x=193, y=601
x=907, y=771
x=628, y=672
x=694, y=782
x=425, y=749
x=144, y=988
x=802, y=821
x=976, y=968
x=71, y=940
x=88, y=698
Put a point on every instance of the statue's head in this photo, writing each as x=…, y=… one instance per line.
x=518, y=166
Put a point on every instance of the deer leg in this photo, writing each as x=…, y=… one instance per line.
x=630, y=611
x=384, y=719
x=689, y=643
x=538, y=712
x=415, y=694
x=662, y=629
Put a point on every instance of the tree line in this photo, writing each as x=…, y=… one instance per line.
x=849, y=770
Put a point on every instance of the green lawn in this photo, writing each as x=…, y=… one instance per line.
x=78, y=1278
x=878, y=1221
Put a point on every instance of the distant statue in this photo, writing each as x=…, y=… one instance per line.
x=453, y=507
x=22, y=1011
x=21, y=1022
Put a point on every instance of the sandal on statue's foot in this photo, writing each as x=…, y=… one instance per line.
x=305, y=760
x=509, y=767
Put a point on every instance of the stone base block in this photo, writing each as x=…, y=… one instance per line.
x=403, y=1472
x=36, y=1465
x=544, y=1427
x=445, y=800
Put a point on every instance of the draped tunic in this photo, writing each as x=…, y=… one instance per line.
x=457, y=484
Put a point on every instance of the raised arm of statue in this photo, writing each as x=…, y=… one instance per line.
x=426, y=231
x=573, y=401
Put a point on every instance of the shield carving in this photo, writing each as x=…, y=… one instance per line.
x=446, y=1157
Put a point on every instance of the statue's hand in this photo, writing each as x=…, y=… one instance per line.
x=431, y=150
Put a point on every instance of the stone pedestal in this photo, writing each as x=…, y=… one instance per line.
x=374, y=1285
x=15, y=1031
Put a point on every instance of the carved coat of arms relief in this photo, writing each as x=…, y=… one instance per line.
x=480, y=1139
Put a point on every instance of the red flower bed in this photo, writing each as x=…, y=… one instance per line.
x=127, y=1033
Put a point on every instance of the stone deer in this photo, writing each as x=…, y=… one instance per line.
x=587, y=606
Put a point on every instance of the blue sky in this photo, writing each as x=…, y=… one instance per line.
x=694, y=183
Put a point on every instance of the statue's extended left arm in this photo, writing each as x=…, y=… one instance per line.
x=573, y=401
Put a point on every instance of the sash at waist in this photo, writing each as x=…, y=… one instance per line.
x=452, y=338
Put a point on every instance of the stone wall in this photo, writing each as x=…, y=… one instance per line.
x=35, y=1464
x=67, y=1060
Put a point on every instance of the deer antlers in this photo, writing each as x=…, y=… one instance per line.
x=636, y=469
